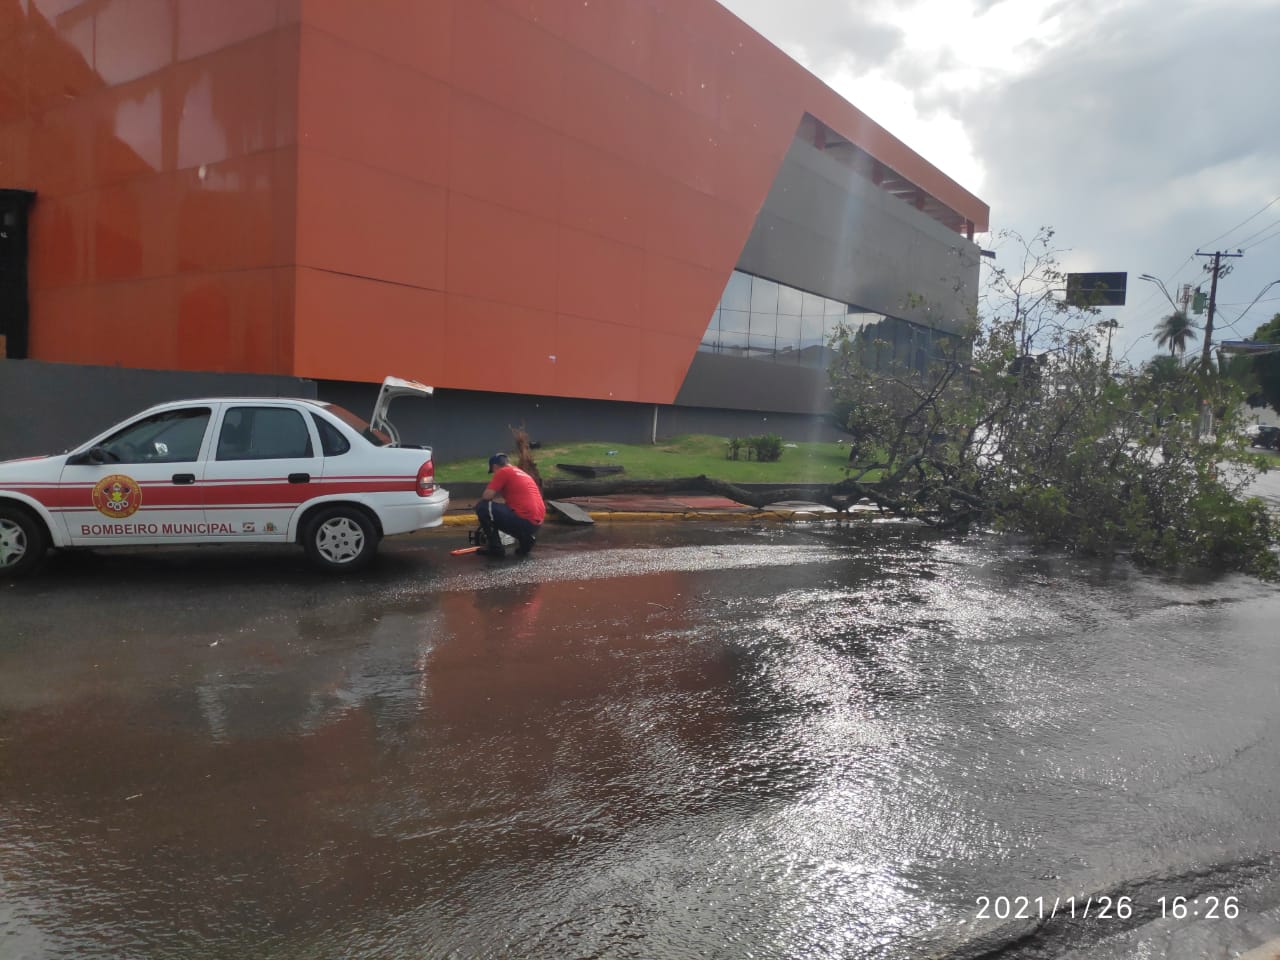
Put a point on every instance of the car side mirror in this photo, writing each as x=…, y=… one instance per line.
x=98, y=454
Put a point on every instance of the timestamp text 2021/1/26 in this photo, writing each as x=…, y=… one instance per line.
x=1103, y=907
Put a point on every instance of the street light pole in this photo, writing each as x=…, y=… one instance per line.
x=1159, y=283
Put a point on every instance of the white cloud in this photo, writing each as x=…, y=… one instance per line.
x=1139, y=129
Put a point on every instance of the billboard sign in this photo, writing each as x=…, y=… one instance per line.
x=1096, y=289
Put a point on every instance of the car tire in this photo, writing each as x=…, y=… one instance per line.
x=23, y=542
x=340, y=539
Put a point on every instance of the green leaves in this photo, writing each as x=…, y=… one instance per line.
x=1061, y=444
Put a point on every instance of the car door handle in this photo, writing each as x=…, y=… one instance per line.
x=184, y=478
x=299, y=478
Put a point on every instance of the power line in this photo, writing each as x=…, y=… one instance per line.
x=1265, y=208
x=1270, y=236
x=1269, y=226
x=1252, y=303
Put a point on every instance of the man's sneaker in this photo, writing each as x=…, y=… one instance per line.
x=492, y=550
x=526, y=544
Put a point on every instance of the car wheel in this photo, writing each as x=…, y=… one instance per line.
x=23, y=542
x=340, y=539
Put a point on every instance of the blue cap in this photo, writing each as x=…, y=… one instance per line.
x=498, y=460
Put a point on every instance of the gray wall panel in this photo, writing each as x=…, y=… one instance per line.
x=749, y=383
x=828, y=230
x=47, y=408
x=461, y=424
x=51, y=407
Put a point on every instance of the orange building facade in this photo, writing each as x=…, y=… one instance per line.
x=541, y=197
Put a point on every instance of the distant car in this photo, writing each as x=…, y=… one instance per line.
x=227, y=470
x=1266, y=437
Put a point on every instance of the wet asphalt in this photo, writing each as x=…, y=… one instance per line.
x=658, y=741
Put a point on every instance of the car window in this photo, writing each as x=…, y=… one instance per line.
x=332, y=442
x=263, y=433
x=173, y=436
x=376, y=437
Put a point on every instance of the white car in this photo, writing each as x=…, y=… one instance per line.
x=227, y=470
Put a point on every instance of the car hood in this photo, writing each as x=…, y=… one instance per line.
x=31, y=468
x=393, y=387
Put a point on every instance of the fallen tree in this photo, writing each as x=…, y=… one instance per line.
x=839, y=496
x=1030, y=427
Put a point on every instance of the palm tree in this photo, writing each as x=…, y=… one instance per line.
x=1174, y=331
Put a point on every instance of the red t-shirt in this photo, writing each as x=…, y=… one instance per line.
x=520, y=493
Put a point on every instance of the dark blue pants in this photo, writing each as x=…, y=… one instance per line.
x=492, y=514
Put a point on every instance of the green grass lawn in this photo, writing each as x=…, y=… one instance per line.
x=686, y=456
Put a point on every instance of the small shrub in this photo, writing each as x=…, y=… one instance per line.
x=767, y=447
x=733, y=448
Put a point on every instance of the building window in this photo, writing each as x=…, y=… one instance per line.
x=763, y=318
x=757, y=317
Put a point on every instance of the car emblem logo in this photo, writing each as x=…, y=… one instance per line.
x=117, y=496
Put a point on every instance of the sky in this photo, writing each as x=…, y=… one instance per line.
x=1141, y=131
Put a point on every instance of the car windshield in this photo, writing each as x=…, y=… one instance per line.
x=376, y=437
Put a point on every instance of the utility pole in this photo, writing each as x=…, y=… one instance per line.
x=1215, y=271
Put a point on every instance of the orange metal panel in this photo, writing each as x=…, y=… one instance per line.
x=127, y=130
x=358, y=105
x=609, y=110
x=12, y=18
x=59, y=319
x=225, y=214
x=490, y=346
x=61, y=155
x=59, y=56
x=222, y=105
x=508, y=61
x=13, y=79
x=675, y=296
x=597, y=359
x=620, y=33
x=550, y=15
x=504, y=158
x=204, y=27
x=685, y=70
x=355, y=328
x=128, y=323
x=598, y=193
x=693, y=153
x=598, y=278
x=354, y=219
x=662, y=360
x=417, y=33
x=496, y=253
x=117, y=234
x=284, y=205
x=230, y=322
x=574, y=181
x=132, y=38
x=60, y=241
x=15, y=152
x=686, y=224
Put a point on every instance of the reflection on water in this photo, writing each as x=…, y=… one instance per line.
x=799, y=743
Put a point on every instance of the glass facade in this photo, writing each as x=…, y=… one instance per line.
x=763, y=318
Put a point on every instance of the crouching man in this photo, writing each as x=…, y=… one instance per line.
x=520, y=515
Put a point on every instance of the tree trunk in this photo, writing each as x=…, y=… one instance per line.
x=839, y=496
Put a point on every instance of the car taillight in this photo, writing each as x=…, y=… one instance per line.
x=426, y=479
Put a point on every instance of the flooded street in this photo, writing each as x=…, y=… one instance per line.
x=678, y=741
